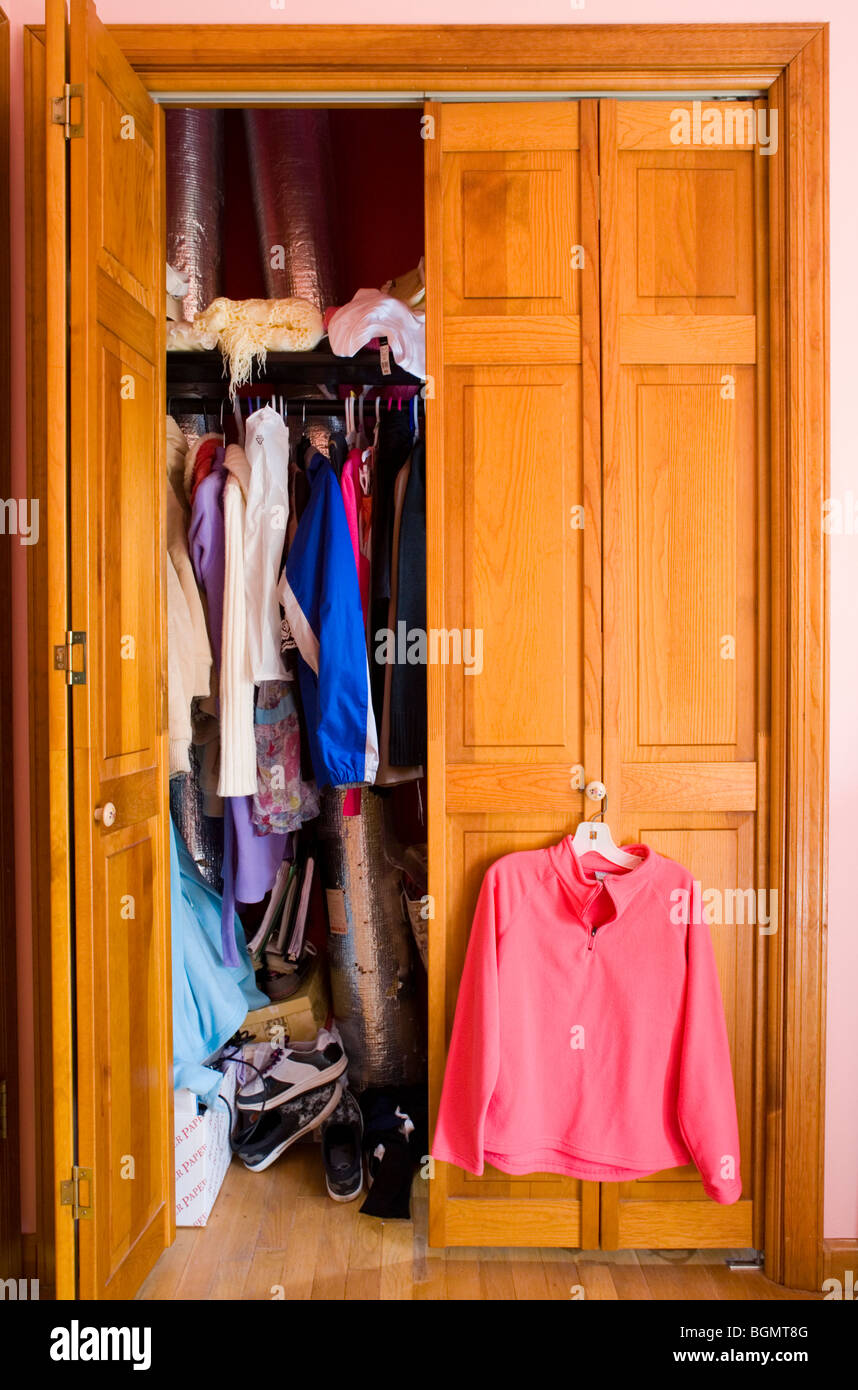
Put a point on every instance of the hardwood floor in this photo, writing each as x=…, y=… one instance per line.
x=278, y=1234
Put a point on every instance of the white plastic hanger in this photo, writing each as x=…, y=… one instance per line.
x=594, y=837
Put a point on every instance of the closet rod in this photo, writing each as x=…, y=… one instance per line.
x=314, y=405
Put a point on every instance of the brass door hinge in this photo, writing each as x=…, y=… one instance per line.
x=70, y=1193
x=61, y=110
x=63, y=658
x=4, y=1123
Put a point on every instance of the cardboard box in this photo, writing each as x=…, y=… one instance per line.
x=202, y=1153
x=299, y=1017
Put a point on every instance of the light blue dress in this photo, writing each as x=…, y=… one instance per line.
x=210, y=1000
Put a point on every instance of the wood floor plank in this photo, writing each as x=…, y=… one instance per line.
x=528, y=1276
x=629, y=1281
x=363, y=1281
x=163, y=1281
x=688, y=1282
x=496, y=1281
x=598, y=1281
x=462, y=1274
x=430, y=1265
x=265, y=1279
x=561, y=1273
x=303, y=1251
x=332, y=1265
x=397, y=1260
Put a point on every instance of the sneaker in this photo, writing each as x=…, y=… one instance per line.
x=293, y=1070
x=342, y=1137
x=278, y=1129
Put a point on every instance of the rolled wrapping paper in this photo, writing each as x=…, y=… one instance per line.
x=293, y=194
x=195, y=196
x=245, y=329
x=371, y=954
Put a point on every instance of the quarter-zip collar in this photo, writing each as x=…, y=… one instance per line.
x=583, y=886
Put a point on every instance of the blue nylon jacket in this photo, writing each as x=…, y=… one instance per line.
x=321, y=598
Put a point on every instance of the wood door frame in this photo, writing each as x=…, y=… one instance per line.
x=790, y=63
x=10, y=1186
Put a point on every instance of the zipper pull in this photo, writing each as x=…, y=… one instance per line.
x=591, y=943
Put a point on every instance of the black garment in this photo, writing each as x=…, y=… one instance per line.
x=408, y=712
x=391, y=1154
x=338, y=452
x=395, y=442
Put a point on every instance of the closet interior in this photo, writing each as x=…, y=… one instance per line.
x=296, y=519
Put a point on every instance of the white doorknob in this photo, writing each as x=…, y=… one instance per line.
x=596, y=791
x=105, y=814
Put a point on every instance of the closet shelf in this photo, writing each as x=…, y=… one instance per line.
x=201, y=373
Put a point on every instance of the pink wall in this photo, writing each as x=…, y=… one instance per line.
x=841, y=1189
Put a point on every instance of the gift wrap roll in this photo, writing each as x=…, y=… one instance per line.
x=373, y=967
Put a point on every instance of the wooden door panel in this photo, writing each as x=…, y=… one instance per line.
x=514, y=563
x=116, y=483
x=512, y=257
x=684, y=602
x=669, y=1209
x=503, y=1208
x=127, y=501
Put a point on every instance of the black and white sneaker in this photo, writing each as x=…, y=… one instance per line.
x=293, y=1070
x=276, y=1130
x=342, y=1150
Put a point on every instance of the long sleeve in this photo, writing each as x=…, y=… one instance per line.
x=180, y=672
x=237, y=737
x=319, y=592
x=474, y=1055
x=706, y=1103
x=265, y=525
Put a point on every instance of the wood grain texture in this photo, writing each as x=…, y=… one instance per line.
x=687, y=338
x=50, y=728
x=804, y=800
x=551, y=338
x=681, y=585
x=511, y=245
x=333, y=1253
x=435, y=674
x=117, y=535
x=658, y=125
x=464, y=52
x=10, y=1216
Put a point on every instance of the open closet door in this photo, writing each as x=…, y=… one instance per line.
x=119, y=804
x=513, y=545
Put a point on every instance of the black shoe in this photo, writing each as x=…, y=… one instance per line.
x=342, y=1135
x=277, y=1129
x=293, y=1070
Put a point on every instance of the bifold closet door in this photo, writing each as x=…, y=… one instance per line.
x=512, y=284
x=684, y=327
x=115, y=485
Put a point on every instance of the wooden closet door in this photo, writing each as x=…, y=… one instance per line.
x=685, y=600
x=513, y=537
x=116, y=490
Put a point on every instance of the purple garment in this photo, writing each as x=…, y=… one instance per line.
x=206, y=545
x=250, y=861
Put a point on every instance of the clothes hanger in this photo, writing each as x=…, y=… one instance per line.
x=594, y=837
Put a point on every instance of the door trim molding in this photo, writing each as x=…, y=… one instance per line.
x=790, y=61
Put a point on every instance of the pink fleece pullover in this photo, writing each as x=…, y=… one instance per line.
x=589, y=1036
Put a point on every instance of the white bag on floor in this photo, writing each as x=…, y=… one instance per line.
x=202, y=1152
